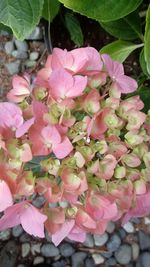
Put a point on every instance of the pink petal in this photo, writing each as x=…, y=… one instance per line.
x=61, y=59
x=78, y=86
x=64, y=82
x=114, y=68
x=24, y=127
x=51, y=135
x=10, y=115
x=63, y=149
x=63, y=232
x=26, y=154
x=33, y=221
x=6, y=199
x=11, y=216
x=77, y=234
x=126, y=84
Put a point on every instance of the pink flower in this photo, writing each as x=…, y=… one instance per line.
x=101, y=208
x=21, y=89
x=89, y=63
x=6, y=199
x=63, y=232
x=141, y=207
x=25, y=214
x=67, y=86
x=48, y=139
x=116, y=72
x=11, y=117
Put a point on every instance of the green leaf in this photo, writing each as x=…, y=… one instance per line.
x=73, y=26
x=50, y=9
x=103, y=10
x=5, y=28
x=143, y=64
x=21, y=16
x=147, y=41
x=145, y=96
x=127, y=28
x=34, y=164
x=119, y=50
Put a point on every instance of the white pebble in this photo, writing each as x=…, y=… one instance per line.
x=35, y=248
x=128, y=227
x=38, y=260
x=25, y=249
x=98, y=259
x=147, y=220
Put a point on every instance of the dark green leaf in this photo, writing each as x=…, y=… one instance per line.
x=50, y=9
x=34, y=164
x=21, y=16
x=145, y=96
x=119, y=50
x=127, y=28
x=5, y=28
x=147, y=41
x=74, y=29
x=143, y=64
x=103, y=10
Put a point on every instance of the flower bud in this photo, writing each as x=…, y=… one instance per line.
x=120, y=172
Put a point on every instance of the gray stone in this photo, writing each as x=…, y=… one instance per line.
x=122, y=233
x=61, y=263
x=98, y=258
x=36, y=248
x=135, y=220
x=38, y=260
x=135, y=251
x=129, y=265
x=144, y=260
x=39, y=201
x=34, y=55
x=9, y=254
x=129, y=227
x=25, y=250
x=13, y=67
x=49, y=250
x=114, y=243
x=17, y=231
x=9, y=47
x=66, y=250
x=48, y=237
x=19, y=54
x=124, y=254
x=30, y=63
x=63, y=204
x=110, y=227
x=89, y=263
x=78, y=258
x=25, y=238
x=21, y=45
x=107, y=254
x=5, y=235
x=100, y=240
x=89, y=242
x=36, y=34
x=144, y=240
x=111, y=262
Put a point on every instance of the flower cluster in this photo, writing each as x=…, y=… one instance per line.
x=92, y=148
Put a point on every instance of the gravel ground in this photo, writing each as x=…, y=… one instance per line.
x=127, y=246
